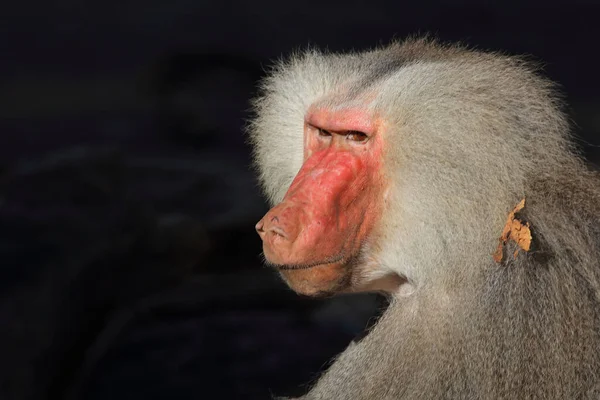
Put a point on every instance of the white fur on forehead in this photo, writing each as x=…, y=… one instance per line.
x=277, y=131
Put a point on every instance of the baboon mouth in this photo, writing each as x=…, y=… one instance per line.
x=291, y=267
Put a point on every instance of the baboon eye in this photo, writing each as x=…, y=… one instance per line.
x=323, y=132
x=356, y=136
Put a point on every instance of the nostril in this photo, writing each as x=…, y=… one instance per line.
x=260, y=227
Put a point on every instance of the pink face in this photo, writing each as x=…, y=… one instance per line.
x=315, y=234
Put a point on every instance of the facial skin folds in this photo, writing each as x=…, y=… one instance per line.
x=315, y=235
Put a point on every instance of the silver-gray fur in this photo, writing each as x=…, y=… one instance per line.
x=469, y=135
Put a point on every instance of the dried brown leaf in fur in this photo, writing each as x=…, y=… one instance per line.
x=516, y=231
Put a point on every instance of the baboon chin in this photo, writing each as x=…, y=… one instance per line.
x=446, y=178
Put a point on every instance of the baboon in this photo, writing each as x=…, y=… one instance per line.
x=447, y=178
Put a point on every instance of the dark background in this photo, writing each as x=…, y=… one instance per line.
x=130, y=266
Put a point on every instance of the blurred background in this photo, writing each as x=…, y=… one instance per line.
x=129, y=263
